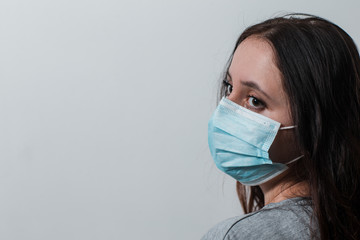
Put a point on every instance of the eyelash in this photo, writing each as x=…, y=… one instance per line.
x=228, y=90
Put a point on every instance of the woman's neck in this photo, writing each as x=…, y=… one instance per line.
x=278, y=191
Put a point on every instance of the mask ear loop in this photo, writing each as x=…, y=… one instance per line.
x=295, y=159
x=288, y=127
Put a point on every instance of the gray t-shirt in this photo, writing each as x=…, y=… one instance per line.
x=288, y=219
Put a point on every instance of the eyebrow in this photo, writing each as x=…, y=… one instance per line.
x=255, y=86
x=251, y=84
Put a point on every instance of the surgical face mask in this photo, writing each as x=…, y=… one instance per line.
x=239, y=141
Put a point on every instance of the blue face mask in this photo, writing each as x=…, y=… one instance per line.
x=239, y=141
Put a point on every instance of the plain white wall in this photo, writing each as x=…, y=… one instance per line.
x=103, y=113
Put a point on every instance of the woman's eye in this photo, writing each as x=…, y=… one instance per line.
x=255, y=103
x=228, y=88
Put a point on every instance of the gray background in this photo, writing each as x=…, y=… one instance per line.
x=104, y=107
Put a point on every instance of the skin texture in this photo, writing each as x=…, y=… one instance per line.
x=256, y=84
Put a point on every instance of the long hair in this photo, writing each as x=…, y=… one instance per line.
x=320, y=69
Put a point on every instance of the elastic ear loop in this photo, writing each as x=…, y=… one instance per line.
x=288, y=127
x=295, y=159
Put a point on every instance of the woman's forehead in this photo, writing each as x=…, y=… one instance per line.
x=254, y=61
x=253, y=55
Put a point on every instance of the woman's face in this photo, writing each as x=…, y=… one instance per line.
x=256, y=85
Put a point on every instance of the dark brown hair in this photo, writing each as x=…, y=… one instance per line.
x=320, y=69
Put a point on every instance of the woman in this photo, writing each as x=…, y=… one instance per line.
x=288, y=130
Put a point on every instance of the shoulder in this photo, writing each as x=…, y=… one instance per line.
x=220, y=230
x=285, y=220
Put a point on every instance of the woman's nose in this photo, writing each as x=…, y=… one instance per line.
x=234, y=98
